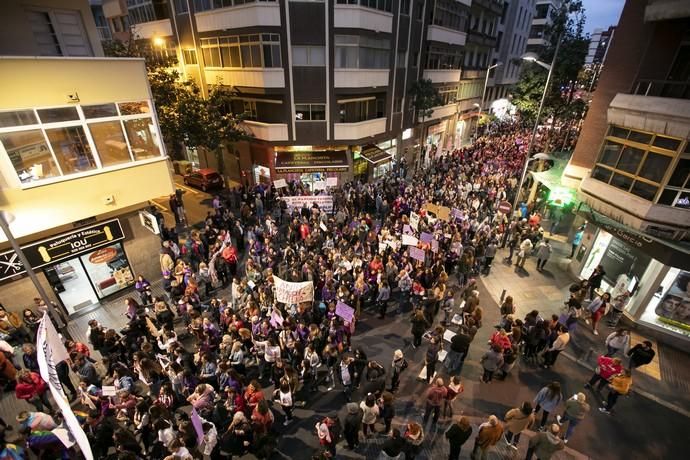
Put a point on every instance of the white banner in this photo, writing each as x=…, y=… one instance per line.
x=320, y=185
x=325, y=202
x=293, y=293
x=51, y=350
x=280, y=183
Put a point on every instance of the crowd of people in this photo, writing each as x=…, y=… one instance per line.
x=242, y=360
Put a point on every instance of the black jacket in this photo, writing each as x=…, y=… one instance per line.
x=393, y=446
x=353, y=423
x=460, y=343
x=640, y=355
x=456, y=436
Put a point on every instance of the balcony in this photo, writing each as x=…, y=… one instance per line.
x=480, y=39
x=255, y=78
x=663, y=88
x=357, y=17
x=148, y=30
x=360, y=130
x=442, y=76
x=114, y=8
x=445, y=35
x=441, y=112
x=360, y=78
x=267, y=131
x=104, y=34
x=495, y=6
x=260, y=14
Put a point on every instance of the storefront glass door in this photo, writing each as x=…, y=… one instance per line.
x=74, y=287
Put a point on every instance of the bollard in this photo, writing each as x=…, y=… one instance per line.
x=503, y=295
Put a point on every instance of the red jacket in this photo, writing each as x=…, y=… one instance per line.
x=436, y=395
x=608, y=368
x=25, y=390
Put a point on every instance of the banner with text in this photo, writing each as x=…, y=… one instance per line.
x=293, y=293
x=325, y=202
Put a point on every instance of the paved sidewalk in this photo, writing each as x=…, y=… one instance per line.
x=666, y=380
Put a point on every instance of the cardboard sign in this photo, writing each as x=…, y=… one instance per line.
x=280, y=183
x=320, y=185
x=345, y=311
x=323, y=227
x=332, y=181
x=431, y=207
x=426, y=237
x=409, y=240
x=414, y=220
x=417, y=254
x=443, y=213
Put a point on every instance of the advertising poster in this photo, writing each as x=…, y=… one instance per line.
x=675, y=305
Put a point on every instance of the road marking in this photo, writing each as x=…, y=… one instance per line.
x=161, y=207
x=195, y=192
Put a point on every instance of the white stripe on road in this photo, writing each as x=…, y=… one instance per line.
x=196, y=192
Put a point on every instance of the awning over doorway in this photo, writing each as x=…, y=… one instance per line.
x=311, y=161
x=374, y=154
x=551, y=178
x=671, y=253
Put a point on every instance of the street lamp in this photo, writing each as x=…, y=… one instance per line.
x=159, y=41
x=486, y=82
x=532, y=57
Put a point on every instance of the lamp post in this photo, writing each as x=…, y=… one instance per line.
x=486, y=82
x=532, y=57
x=5, y=219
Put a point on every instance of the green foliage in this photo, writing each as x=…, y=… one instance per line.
x=425, y=97
x=568, y=24
x=185, y=117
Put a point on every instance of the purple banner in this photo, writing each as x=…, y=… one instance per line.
x=426, y=237
x=455, y=212
x=198, y=426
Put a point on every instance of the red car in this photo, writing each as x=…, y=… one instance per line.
x=205, y=179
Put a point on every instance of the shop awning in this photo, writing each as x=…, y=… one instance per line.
x=551, y=179
x=374, y=154
x=671, y=253
x=311, y=161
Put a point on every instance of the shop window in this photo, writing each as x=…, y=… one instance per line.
x=680, y=174
x=140, y=133
x=17, y=118
x=30, y=155
x=630, y=159
x=644, y=190
x=110, y=142
x=99, y=111
x=71, y=149
x=58, y=114
x=621, y=181
x=310, y=112
x=108, y=270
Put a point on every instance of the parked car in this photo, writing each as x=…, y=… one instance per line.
x=205, y=179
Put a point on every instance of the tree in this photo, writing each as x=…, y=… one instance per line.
x=560, y=103
x=184, y=116
x=424, y=98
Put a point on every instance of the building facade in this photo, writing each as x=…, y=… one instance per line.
x=631, y=166
x=80, y=156
x=325, y=85
x=599, y=45
x=542, y=19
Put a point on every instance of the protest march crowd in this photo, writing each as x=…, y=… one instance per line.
x=261, y=311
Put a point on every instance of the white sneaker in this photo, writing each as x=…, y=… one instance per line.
x=558, y=420
x=329, y=388
x=565, y=440
x=286, y=422
x=596, y=332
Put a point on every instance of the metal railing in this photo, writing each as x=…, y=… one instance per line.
x=104, y=33
x=663, y=88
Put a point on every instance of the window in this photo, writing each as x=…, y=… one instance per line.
x=205, y=5
x=237, y=51
x=637, y=162
x=383, y=5
x=189, y=57
x=443, y=58
x=249, y=109
x=361, y=109
x=47, y=143
x=405, y=7
x=448, y=94
x=312, y=56
x=450, y=14
x=400, y=59
x=358, y=52
x=397, y=105
x=310, y=112
x=44, y=33
x=181, y=6
x=140, y=11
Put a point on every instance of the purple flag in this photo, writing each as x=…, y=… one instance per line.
x=198, y=426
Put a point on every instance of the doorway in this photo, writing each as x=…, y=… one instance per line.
x=72, y=285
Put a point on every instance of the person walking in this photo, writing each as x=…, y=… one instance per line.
x=575, y=410
x=598, y=308
x=491, y=362
x=431, y=358
x=544, y=445
x=455, y=388
x=547, y=400
x=370, y=412
x=435, y=398
x=398, y=365
x=387, y=410
x=544, y=251
x=607, y=367
x=489, y=255
x=557, y=347
x=525, y=249
x=594, y=281
x=419, y=326
x=640, y=355
x=517, y=420
x=490, y=432
x=620, y=385
x=352, y=425
x=618, y=305
x=577, y=239
x=457, y=435
x=616, y=341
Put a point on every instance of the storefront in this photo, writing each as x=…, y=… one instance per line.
x=310, y=165
x=378, y=159
x=655, y=271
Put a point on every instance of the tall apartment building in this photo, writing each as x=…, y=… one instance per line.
x=80, y=156
x=513, y=32
x=631, y=166
x=325, y=84
x=599, y=45
x=542, y=19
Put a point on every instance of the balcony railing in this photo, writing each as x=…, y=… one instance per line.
x=496, y=6
x=663, y=88
x=104, y=33
x=481, y=39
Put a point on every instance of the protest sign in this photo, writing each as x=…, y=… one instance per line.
x=293, y=293
x=320, y=185
x=276, y=319
x=414, y=220
x=345, y=311
x=407, y=230
x=434, y=245
x=50, y=351
x=323, y=227
x=431, y=207
x=426, y=237
x=409, y=240
x=325, y=202
x=443, y=213
x=332, y=181
x=455, y=212
x=417, y=254
x=280, y=183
